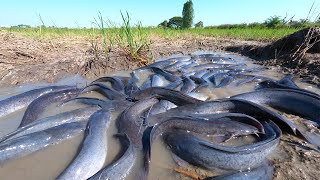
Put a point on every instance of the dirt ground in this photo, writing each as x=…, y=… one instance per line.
x=27, y=60
x=24, y=60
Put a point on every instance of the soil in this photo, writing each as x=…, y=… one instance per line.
x=297, y=53
x=27, y=60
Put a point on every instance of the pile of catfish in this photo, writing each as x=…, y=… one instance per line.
x=166, y=99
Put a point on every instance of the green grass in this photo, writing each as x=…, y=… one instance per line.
x=130, y=39
x=244, y=33
x=46, y=32
x=259, y=34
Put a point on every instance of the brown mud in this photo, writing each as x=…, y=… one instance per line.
x=26, y=60
x=29, y=60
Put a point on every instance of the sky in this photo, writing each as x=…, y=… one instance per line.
x=81, y=13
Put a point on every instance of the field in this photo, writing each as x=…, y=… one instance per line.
x=256, y=34
x=96, y=51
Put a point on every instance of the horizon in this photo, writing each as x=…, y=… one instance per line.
x=70, y=14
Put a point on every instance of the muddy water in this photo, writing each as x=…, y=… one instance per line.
x=49, y=162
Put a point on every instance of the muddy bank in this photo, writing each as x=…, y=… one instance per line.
x=297, y=54
x=27, y=60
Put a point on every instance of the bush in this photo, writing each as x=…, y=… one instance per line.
x=164, y=24
x=256, y=25
x=175, y=21
x=274, y=22
x=199, y=24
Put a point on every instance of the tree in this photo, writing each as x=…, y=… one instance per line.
x=164, y=24
x=199, y=24
x=23, y=26
x=274, y=21
x=187, y=14
x=176, y=21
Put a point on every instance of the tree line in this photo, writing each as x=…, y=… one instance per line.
x=273, y=22
x=186, y=21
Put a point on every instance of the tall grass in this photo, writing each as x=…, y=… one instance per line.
x=100, y=24
x=130, y=39
x=136, y=44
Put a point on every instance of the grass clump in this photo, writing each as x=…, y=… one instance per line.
x=130, y=41
x=133, y=41
x=124, y=40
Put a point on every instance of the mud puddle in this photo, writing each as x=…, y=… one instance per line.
x=49, y=162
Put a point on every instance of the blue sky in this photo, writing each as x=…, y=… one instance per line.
x=80, y=13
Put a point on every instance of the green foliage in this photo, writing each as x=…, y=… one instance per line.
x=199, y=24
x=256, y=25
x=135, y=40
x=22, y=26
x=187, y=14
x=164, y=24
x=113, y=33
x=302, y=23
x=100, y=23
x=264, y=34
x=130, y=39
x=178, y=22
x=230, y=26
x=175, y=22
x=274, y=22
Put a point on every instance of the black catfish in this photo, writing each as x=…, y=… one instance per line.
x=287, y=100
x=209, y=155
x=22, y=100
x=116, y=82
x=175, y=97
x=130, y=121
x=227, y=105
x=37, y=107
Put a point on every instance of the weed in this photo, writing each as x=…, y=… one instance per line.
x=100, y=23
x=125, y=40
x=136, y=46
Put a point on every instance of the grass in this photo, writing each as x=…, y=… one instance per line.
x=132, y=40
x=258, y=34
x=52, y=32
x=129, y=41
